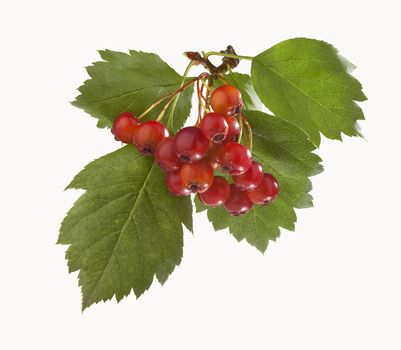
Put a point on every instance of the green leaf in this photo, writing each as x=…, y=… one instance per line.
x=131, y=82
x=306, y=82
x=244, y=84
x=125, y=229
x=284, y=151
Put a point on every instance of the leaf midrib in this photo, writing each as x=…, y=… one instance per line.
x=118, y=240
x=122, y=95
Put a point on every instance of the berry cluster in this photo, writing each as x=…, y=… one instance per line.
x=191, y=156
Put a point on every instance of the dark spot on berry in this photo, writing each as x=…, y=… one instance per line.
x=237, y=110
x=148, y=149
x=193, y=187
x=185, y=158
x=219, y=137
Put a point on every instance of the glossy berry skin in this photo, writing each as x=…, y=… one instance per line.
x=234, y=158
x=226, y=100
x=190, y=144
x=196, y=177
x=212, y=155
x=238, y=202
x=148, y=135
x=124, y=127
x=173, y=183
x=266, y=192
x=214, y=127
x=217, y=193
x=165, y=155
x=251, y=179
x=234, y=129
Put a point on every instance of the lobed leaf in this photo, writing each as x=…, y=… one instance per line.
x=131, y=82
x=307, y=83
x=125, y=229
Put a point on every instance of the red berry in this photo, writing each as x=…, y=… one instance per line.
x=148, y=135
x=213, y=155
x=214, y=127
x=250, y=179
x=217, y=193
x=234, y=129
x=165, y=155
x=124, y=127
x=196, y=177
x=266, y=192
x=227, y=100
x=235, y=159
x=190, y=144
x=173, y=182
x=238, y=202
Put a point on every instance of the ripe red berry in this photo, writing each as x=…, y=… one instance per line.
x=148, y=135
x=196, y=177
x=190, y=144
x=217, y=193
x=266, y=192
x=124, y=127
x=235, y=159
x=226, y=100
x=250, y=179
x=165, y=155
x=173, y=182
x=213, y=154
x=238, y=202
x=234, y=129
x=214, y=127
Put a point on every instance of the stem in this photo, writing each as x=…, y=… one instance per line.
x=230, y=60
x=184, y=77
x=215, y=53
x=173, y=95
x=199, y=92
x=208, y=88
x=161, y=115
x=155, y=104
x=221, y=77
x=205, y=99
x=249, y=128
x=209, y=91
x=241, y=129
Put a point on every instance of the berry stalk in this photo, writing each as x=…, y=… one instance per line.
x=249, y=130
x=184, y=77
x=174, y=95
x=215, y=53
x=171, y=95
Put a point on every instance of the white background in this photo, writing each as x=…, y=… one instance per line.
x=333, y=284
